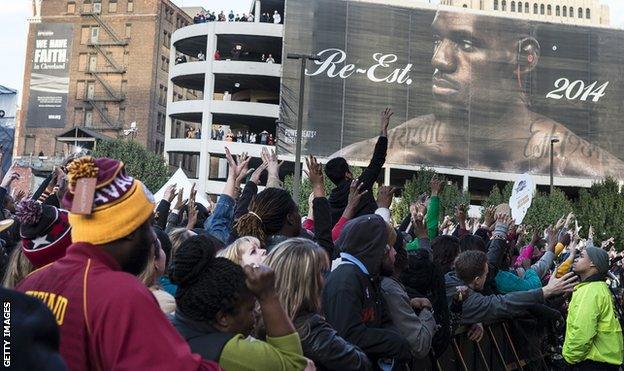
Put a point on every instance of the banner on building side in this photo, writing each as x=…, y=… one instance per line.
x=469, y=90
x=49, y=76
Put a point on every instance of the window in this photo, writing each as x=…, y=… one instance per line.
x=465, y=6
x=580, y=12
x=92, y=62
x=58, y=148
x=128, y=30
x=565, y=11
x=495, y=4
x=85, y=33
x=534, y=8
x=124, y=86
x=166, y=39
x=587, y=13
x=164, y=63
x=130, y=6
x=95, y=33
x=571, y=12
x=112, y=6
x=88, y=118
x=542, y=12
x=549, y=10
x=526, y=7
x=513, y=6
x=29, y=145
x=82, y=62
x=80, y=89
x=90, y=89
x=558, y=11
x=122, y=114
x=504, y=5
x=71, y=7
x=519, y=6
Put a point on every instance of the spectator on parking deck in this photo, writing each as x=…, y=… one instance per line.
x=270, y=59
x=217, y=55
x=277, y=18
x=201, y=56
x=231, y=16
x=221, y=17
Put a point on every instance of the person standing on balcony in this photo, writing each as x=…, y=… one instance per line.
x=277, y=18
x=270, y=59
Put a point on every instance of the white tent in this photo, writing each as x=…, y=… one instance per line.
x=180, y=180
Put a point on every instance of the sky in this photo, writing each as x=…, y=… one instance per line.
x=15, y=30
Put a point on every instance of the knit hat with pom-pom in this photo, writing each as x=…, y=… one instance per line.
x=45, y=232
x=121, y=204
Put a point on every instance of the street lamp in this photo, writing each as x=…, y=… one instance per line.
x=552, y=160
x=297, y=178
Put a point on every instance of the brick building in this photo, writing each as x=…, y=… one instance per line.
x=563, y=11
x=118, y=74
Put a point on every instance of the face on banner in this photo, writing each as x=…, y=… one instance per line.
x=469, y=90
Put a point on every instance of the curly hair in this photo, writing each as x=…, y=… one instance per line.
x=267, y=214
x=207, y=285
x=445, y=250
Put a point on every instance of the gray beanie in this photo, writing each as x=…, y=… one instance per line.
x=599, y=258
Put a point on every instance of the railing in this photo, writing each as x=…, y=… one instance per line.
x=116, y=40
x=496, y=351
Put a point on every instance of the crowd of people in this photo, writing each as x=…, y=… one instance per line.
x=246, y=136
x=212, y=16
x=114, y=281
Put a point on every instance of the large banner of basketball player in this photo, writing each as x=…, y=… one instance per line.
x=49, y=76
x=469, y=91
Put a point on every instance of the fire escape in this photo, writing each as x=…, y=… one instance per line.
x=101, y=46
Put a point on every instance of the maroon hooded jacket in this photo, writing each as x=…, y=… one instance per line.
x=108, y=320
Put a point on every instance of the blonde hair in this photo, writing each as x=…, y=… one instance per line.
x=298, y=264
x=17, y=269
x=147, y=276
x=238, y=248
x=177, y=236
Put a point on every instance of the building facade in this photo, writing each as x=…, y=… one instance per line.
x=583, y=12
x=238, y=84
x=115, y=55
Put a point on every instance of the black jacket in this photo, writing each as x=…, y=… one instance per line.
x=352, y=300
x=326, y=348
x=340, y=195
x=203, y=339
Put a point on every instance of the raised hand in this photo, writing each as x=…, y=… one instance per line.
x=435, y=184
x=179, y=200
x=385, y=121
x=193, y=192
x=560, y=223
x=315, y=174
x=273, y=165
x=385, y=195
x=568, y=220
x=418, y=212
x=11, y=176
x=355, y=195
x=170, y=193
x=260, y=280
x=460, y=214
x=489, y=216
x=192, y=214
x=238, y=167
x=257, y=173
